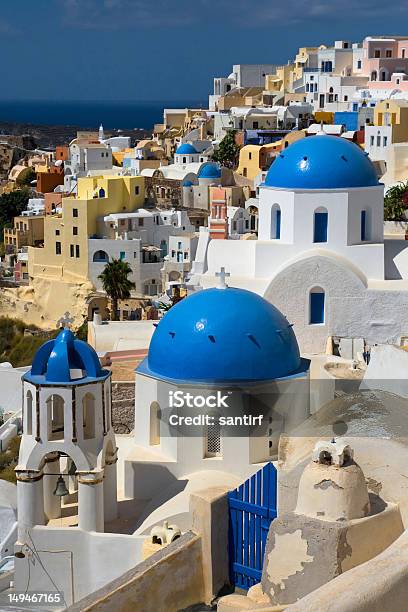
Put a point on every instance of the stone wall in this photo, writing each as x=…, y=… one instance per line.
x=172, y=190
x=123, y=407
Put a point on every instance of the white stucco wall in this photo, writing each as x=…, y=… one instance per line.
x=77, y=561
x=150, y=467
x=133, y=256
x=387, y=370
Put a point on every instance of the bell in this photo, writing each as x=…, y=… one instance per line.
x=61, y=488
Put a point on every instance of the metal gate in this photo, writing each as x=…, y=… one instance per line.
x=252, y=508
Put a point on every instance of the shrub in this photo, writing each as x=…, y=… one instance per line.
x=26, y=176
x=8, y=473
x=396, y=202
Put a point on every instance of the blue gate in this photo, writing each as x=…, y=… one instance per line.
x=252, y=508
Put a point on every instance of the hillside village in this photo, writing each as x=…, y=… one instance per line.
x=208, y=404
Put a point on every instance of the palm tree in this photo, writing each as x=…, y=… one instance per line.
x=116, y=284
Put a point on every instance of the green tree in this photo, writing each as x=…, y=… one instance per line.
x=116, y=284
x=26, y=176
x=396, y=202
x=227, y=153
x=12, y=204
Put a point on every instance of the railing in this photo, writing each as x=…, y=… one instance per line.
x=316, y=70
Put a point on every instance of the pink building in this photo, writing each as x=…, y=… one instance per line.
x=385, y=62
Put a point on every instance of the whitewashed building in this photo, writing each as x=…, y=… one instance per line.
x=321, y=255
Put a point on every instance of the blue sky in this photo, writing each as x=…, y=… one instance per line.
x=165, y=49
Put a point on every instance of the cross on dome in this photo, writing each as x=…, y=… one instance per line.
x=65, y=321
x=222, y=275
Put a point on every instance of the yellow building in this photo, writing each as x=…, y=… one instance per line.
x=282, y=80
x=65, y=252
x=26, y=231
x=302, y=58
x=326, y=116
x=249, y=96
x=254, y=158
x=393, y=113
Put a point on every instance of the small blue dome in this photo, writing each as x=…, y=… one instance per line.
x=322, y=162
x=222, y=335
x=210, y=171
x=65, y=360
x=187, y=184
x=186, y=149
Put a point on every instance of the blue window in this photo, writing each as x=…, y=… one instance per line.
x=316, y=306
x=363, y=225
x=276, y=222
x=122, y=255
x=101, y=193
x=320, y=226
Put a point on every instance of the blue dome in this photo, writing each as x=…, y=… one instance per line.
x=322, y=162
x=210, y=171
x=222, y=335
x=186, y=149
x=65, y=360
x=187, y=184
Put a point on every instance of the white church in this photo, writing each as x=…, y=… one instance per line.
x=74, y=474
x=320, y=256
x=225, y=351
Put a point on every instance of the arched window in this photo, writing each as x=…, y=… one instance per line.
x=383, y=75
x=316, y=306
x=101, y=193
x=29, y=414
x=276, y=222
x=55, y=417
x=321, y=218
x=154, y=423
x=374, y=75
x=100, y=257
x=88, y=416
x=363, y=226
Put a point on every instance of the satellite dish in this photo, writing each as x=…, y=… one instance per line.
x=58, y=163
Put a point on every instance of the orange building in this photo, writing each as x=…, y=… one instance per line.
x=48, y=180
x=62, y=153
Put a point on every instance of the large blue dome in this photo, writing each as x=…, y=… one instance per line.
x=186, y=149
x=210, y=171
x=222, y=335
x=322, y=162
x=65, y=360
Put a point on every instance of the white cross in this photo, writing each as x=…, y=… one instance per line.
x=222, y=275
x=65, y=321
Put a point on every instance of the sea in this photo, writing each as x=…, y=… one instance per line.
x=90, y=114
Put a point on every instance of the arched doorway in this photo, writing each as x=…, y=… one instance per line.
x=316, y=306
